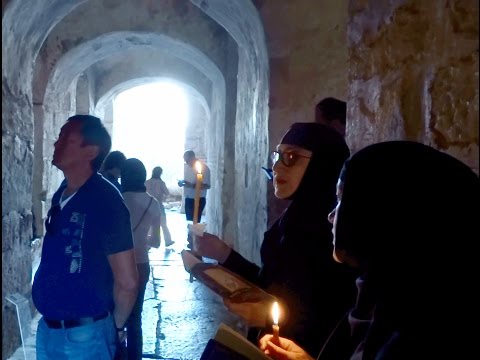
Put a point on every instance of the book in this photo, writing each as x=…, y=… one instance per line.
x=229, y=344
x=224, y=282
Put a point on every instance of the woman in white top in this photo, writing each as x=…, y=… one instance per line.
x=145, y=216
x=157, y=188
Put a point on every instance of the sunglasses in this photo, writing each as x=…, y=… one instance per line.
x=52, y=218
x=287, y=158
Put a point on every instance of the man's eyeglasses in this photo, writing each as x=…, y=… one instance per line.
x=52, y=217
x=287, y=158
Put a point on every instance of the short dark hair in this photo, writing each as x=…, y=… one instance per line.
x=189, y=154
x=332, y=109
x=134, y=175
x=157, y=172
x=114, y=160
x=94, y=133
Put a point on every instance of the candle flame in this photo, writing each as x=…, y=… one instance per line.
x=275, y=313
x=198, y=166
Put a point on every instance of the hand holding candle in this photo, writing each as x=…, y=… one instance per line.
x=198, y=185
x=275, y=327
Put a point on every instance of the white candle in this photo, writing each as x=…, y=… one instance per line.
x=198, y=185
x=275, y=327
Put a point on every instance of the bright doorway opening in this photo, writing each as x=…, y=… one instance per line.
x=149, y=124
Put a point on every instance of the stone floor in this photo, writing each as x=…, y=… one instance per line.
x=179, y=316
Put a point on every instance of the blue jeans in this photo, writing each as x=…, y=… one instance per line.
x=88, y=342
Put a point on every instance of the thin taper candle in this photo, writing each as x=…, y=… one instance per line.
x=198, y=185
x=275, y=327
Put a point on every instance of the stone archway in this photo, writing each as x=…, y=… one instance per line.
x=194, y=136
x=33, y=68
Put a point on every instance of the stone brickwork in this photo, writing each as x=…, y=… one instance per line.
x=413, y=74
x=17, y=220
x=307, y=50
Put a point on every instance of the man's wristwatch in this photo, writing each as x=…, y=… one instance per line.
x=121, y=329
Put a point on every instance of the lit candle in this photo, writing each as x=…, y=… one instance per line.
x=275, y=327
x=198, y=185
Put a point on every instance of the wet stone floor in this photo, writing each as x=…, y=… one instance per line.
x=179, y=316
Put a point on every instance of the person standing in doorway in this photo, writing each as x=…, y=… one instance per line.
x=188, y=183
x=145, y=217
x=333, y=113
x=157, y=188
x=87, y=281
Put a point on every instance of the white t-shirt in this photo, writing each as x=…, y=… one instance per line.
x=136, y=203
x=190, y=175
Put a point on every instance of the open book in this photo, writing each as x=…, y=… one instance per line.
x=229, y=344
x=224, y=282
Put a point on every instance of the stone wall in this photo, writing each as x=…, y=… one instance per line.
x=17, y=168
x=17, y=219
x=307, y=50
x=413, y=74
x=245, y=132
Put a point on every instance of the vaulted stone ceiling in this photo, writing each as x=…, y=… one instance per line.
x=115, y=45
x=74, y=56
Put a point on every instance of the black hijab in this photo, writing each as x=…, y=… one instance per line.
x=315, y=196
x=134, y=176
x=408, y=215
x=297, y=250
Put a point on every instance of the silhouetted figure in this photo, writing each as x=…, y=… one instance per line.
x=407, y=216
x=333, y=113
x=112, y=166
x=189, y=183
x=157, y=188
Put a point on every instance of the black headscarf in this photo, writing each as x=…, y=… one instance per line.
x=298, y=266
x=134, y=176
x=409, y=215
x=315, y=196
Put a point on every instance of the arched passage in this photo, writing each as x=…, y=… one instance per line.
x=49, y=33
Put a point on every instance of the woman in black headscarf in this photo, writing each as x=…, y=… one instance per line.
x=297, y=266
x=406, y=216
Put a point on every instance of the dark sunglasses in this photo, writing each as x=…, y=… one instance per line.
x=287, y=158
x=52, y=217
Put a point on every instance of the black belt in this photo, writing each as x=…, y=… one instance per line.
x=66, y=324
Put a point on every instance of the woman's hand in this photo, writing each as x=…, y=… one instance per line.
x=286, y=350
x=253, y=313
x=212, y=246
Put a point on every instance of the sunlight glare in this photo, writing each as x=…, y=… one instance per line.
x=149, y=124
